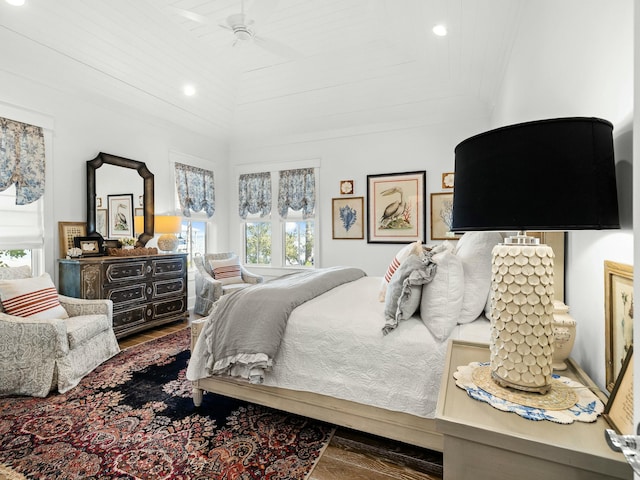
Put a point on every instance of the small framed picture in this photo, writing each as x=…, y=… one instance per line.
x=447, y=180
x=90, y=246
x=441, y=217
x=67, y=231
x=618, y=311
x=619, y=409
x=120, y=220
x=98, y=202
x=102, y=222
x=346, y=187
x=348, y=218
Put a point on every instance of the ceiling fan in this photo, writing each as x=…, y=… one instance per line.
x=244, y=25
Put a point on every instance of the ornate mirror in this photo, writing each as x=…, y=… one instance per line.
x=147, y=197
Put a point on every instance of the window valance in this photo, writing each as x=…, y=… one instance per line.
x=254, y=194
x=196, y=189
x=297, y=191
x=22, y=160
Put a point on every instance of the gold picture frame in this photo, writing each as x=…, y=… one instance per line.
x=448, y=179
x=441, y=217
x=348, y=218
x=619, y=409
x=396, y=207
x=618, y=306
x=346, y=187
x=67, y=231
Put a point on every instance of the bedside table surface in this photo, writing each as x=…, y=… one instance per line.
x=578, y=444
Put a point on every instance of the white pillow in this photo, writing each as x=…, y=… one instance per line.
x=401, y=256
x=474, y=250
x=227, y=271
x=442, y=298
x=35, y=298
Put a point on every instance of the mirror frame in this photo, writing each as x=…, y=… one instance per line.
x=147, y=198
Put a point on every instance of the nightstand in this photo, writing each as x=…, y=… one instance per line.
x=481, y=442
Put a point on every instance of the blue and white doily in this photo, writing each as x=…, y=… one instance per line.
x=566, y=402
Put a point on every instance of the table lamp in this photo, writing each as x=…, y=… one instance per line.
x=546, y=175
x=168, y=226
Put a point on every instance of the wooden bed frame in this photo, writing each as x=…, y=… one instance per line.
x=398, y=426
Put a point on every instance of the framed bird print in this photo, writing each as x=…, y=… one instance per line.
x=120, y=215
x=396, y=206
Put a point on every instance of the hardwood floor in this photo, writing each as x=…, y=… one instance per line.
x=350, y=455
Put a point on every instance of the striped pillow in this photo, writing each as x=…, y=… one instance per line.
x=401, y=256
x=227, y=271
x=35, y=298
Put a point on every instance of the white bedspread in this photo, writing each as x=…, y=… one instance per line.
x=400, y=371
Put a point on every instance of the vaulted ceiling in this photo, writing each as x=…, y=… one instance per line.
x=323, y=65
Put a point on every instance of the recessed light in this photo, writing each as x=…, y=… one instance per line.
x=189, y=90
x=440, y=30
x=15, y=3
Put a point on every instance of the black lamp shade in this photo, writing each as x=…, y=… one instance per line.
x=556, y=174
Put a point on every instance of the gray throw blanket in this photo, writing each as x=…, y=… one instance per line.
x=244, y=329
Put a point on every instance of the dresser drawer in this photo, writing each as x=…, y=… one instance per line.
x=129, y=271
x=166, y=267
x=128, y=317
x=127, y=294
x=168, y=287
x=169, y=307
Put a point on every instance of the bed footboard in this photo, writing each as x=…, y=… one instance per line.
x=377, y=421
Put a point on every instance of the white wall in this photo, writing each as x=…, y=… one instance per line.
x=352, y=156
x=82, y=129
x=575, y=58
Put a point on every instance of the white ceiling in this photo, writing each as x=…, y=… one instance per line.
x=359, y=64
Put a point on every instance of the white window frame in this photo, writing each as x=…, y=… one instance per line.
x=277, y=222
x=42, y=259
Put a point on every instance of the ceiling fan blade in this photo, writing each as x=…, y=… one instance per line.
x=261, y=10
x=277, y=48
x=194, y=17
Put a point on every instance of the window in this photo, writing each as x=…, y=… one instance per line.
x=192, y=239
x=278, y=230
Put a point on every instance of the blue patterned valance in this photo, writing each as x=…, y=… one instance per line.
x=196, y=190
x=297, y=191
x=254, y=194
x=22, y=160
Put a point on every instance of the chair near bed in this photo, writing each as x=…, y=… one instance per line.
x=219, y=274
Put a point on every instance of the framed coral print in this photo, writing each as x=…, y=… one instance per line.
x=396, y=207
x=102, y=222
x=441, y=217
x=120, y=218
x=618, y=309
x=348, y=218
x=619, y=409
x=67, y=231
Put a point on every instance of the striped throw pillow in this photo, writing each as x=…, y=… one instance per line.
x=227, y=271
x=35, y=298
x=401, y=256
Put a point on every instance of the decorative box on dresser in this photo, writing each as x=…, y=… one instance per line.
x=483, y=443
x=146, y=290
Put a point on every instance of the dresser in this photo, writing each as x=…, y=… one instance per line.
x=146, y=291
x=484, y=443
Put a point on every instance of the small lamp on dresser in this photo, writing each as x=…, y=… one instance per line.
x=546, y=175
x=168, y=226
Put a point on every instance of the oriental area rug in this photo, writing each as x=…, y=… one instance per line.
x=133, y=418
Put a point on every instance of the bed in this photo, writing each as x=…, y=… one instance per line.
x=335, y=364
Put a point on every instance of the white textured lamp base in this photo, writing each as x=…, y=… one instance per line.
x=522, y=336
x=168, y=242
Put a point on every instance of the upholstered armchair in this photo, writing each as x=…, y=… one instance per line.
x=219, y=274
x=38, y=356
